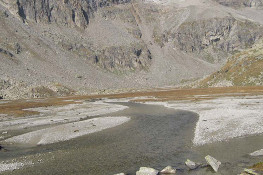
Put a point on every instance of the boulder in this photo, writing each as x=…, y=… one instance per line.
x=120, y=174
x=257, y=153
x=168, y=170
x=213, y=162
x=191, y=165
x=147, y=171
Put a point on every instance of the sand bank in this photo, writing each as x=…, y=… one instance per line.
x=67, y=131
x=61, y=114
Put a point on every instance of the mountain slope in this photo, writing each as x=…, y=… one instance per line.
x=50, y=48
x=242, y=69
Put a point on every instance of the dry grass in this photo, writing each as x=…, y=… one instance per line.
x=258, y=167
x=16, y=108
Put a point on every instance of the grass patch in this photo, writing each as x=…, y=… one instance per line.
x=258, y=166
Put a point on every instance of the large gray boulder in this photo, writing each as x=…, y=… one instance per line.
x=213, y=162
x=147, y=171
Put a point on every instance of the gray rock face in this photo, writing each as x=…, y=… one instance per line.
x=214, y=38
x=147, y=171
x=213, y=162
x=121, y=58
x=241, y=3
x=67, y=12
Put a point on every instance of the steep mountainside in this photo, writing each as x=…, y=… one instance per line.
x=62, y=47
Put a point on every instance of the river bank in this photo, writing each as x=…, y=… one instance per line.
x=157, y=133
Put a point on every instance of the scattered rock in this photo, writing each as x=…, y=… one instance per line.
x=191, y=165
x=257, y=153
x=6, y=52
x=213, y=162
x=18, y=48
x=147, y=171
x=168, y=170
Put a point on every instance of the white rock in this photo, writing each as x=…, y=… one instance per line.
x=120, y=174
x=190, y=164
x=213, y=162
x=168, y=170
x=147, y=171
x=257, y=153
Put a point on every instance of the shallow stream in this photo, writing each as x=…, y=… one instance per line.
x=155, y=137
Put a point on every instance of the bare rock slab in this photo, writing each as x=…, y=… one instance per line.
x=257, y=153
x=213, y=162
x=147, y=171
x=168, y=170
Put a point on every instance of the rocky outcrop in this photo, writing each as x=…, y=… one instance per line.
x=241, y=3
x=122, y=58
x=63, y=12
x=214, y=38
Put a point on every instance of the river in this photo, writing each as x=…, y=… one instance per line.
x=155, y=137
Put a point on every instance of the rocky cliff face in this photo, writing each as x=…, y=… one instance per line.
x=241, y=3
x=64, y=12
x=215, y=38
